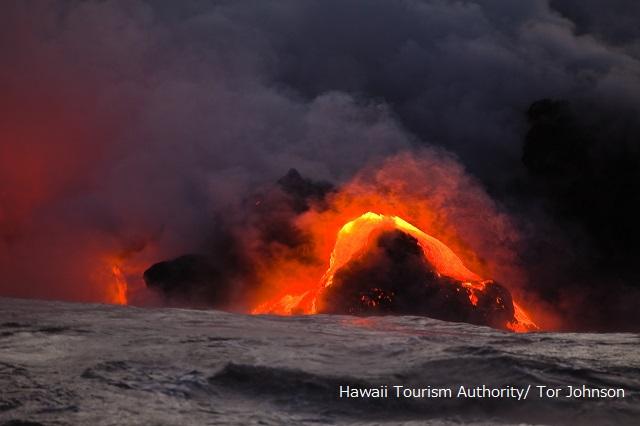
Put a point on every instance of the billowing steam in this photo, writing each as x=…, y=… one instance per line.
x=134, y=132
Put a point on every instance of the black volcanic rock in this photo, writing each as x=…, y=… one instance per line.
x=192, y=279
x=394, y=277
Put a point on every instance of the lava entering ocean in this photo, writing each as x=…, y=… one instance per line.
x=307, y=247
x=383, y=264
x=119, y=293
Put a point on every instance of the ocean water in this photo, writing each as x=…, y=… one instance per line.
x=90, y=364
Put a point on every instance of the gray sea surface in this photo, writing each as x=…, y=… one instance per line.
x=91, y=364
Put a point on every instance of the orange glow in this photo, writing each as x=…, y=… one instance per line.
x=523, y=322
x=392, y=191
x=118, y=291
x=356, y=234
x=352, y=240
x=375, y=201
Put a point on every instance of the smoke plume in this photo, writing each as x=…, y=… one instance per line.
x=134, y=132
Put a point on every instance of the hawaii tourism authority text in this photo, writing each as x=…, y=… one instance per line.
x=479, y=392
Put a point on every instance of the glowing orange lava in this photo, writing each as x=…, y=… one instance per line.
x=354, y=237
x=118, y=291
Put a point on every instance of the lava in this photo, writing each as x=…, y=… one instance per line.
x=307, y=247
x=441, y=286
x=468, y=239
x=356, y=234
x=118, y=291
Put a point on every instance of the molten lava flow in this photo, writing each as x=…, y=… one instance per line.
x=523, y=323
x=359, y=236
x=356, y=235
x=118, y=293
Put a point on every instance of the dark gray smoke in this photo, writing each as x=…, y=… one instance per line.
x=130, y=129
x=615, y=21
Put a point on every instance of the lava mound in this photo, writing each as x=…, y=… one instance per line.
x=393, y=276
